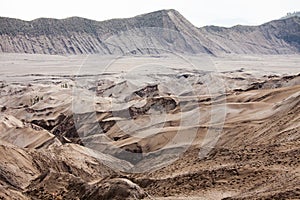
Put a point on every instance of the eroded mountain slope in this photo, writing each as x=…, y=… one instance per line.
x=153, y=33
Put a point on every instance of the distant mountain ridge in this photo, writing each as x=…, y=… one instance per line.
x=146, y=34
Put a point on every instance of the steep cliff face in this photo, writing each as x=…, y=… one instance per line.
x=156, y=32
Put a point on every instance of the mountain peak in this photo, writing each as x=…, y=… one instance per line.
x=158, y=12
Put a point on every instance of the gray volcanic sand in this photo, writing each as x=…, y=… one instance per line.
x=160, y=127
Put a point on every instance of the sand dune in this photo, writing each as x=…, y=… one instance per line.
x=197, y=133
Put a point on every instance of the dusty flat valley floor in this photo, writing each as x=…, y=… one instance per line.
x=160, y=127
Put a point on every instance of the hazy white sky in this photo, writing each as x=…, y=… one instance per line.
x=199, y=12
